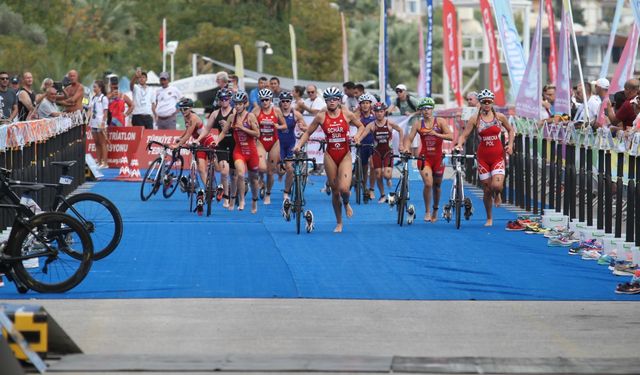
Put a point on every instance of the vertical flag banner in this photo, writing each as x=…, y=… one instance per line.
x=294, y=54
x=627, y=61
x=451, y=56
x=495, y=71
x=511, y=46
x=528, y=101
x=382, y=53
x=563, y=93
x=421, y=60
x=345, y=51
x=428, y=62
x=553, y=61
x=635, y=7
x=237, y=51
x=604, y=70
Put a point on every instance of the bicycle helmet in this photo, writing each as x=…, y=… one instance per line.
x=265, y=94
x=224, y=93
x=185, y=103
x=426, y=103
x=366, y=97
x=486, y=94
x=332, y=93
x=379, y=107
x=240, y=97
x=285, y=95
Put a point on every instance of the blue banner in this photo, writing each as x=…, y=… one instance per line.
x=428, y=66
x=386, y=52
x=604, y=69
x=511, y=46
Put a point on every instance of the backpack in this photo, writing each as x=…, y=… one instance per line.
x=411, y=105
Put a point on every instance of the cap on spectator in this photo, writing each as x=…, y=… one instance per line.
x=15, y=80
x=164, y=75
x=401, y=87
x=603, y=82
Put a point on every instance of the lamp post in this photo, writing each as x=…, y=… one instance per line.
x=262, y=47
x=172, y=46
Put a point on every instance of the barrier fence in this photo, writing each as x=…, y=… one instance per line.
x=27, y=148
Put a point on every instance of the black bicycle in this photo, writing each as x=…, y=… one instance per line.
x=100, y=217
x=300, y=161
x=49, y=252
x=357, y=179
x=400, y=197
x=457, y=200
x=163, y=172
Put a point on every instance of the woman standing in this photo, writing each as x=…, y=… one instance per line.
x=117, y=102
x=98, y=107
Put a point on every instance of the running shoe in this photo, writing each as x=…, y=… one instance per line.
x=514, y=226
x=383, y=199
x=628, y=288
x=560, y=241
x=605, y=260
x=219, y=193
x=625, y=269
x=591, y=255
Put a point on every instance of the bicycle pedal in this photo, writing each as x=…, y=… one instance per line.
x=219, y=193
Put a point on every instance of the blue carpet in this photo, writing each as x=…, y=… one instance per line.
x=167, y=252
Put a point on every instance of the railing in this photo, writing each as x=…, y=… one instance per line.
x=28, y=148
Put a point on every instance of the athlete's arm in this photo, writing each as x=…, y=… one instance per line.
x=129, y=104
x=355, y=121
x=368, y=129
x=226, y=127
x=302, y=125
x=187, y=133
x=446, y=134
x=397, y=128
x=412, y=134
x=319, y=119
x=254, y=130
x=282, y=124
x=467, y=130
x=512, y=134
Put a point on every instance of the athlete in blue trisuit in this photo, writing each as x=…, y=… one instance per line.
x=365, y=101
x=287, y=136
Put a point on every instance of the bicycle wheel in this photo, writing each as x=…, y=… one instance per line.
x=402, y=199
x=150, y=182
x=100, y=217
x=304, y=174
x=358, y=179
x=210, y=187
x=297, y=204
x=193, y=179
x=458, y=199
x=172, y=176
x=51, y=239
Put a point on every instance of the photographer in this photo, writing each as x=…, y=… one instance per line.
x=72, y=93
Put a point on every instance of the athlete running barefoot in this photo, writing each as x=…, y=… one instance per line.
x=224, y=163
x=337, y=158
x=287, y=136
x=366, y=115
x=381, y=130
x=245, y=154
x=432, y=132
x=269, y=120
x=490, y=152
x=194, y=128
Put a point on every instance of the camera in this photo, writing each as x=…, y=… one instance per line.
x=58, y=86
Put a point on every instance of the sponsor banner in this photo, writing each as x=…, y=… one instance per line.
x=528, y=101
x=428, y=58
x=511, y=46
x=122, y=144
x=626, y=64
x=563, y=93
x=145, y=157
x=451, y=56
x=604, y=70
x=553, y=62
x=495, y=72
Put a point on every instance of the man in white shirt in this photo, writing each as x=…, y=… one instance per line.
x=47, y=107
x=313, y=104
x=164, y=108
x=143, y=100
x=595, y=101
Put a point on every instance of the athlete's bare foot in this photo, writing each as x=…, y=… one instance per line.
x=241, y=205
x=434, y=216
x=348, y=210
x=497, y=199
x=338, y=228
x=225, y=203
x=427, y=217
x=388, y=182
x=488, y=223
x=254, y=207
x=267, y=199
x=285, y=196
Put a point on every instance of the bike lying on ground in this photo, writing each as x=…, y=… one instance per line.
x=457, y=199
x=100, y=217
x=400, y=197
x=165, y=171
x=300, y=171
x=49, y=252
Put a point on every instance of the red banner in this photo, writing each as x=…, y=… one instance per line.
x=495, y=71
x=451, y=55
x=553, y=62
x=122, y=144
x=145, y=157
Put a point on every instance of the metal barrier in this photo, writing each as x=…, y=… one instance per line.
x=28, y=148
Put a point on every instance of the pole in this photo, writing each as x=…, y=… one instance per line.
x=294, y=54
x=194, y=65
x=577, y=52
x=172, y=66
x=164, y=44
x=259, y=60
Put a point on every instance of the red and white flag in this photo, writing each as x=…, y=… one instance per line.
x=627, y=61
x=451, y=55
x=553, y=61
x=495, y=71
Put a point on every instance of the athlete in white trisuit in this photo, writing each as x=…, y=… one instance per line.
x=337, y=158
x=270, y=120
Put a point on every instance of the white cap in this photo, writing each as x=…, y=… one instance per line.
x=603, y=82
x=401, y=87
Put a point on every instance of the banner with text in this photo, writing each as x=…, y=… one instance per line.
x=553, y=61
x=451, y=55
x=563, y=88
x=511, y=46
x=528, y=101
x=495, y=71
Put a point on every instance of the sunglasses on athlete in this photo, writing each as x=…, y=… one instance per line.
x=332, y=99
x=486, y=102
x=285, y=101
x=264, y=100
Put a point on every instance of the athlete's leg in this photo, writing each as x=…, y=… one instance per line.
x=253, y=182
x=378, y=177
x=497, y=184
x=427, y=178
x=487, y=199
x=437, y=190
x=272, y=169
x=241, y=169
x=202, y=169
x=288, y=182
x=343, y=183
x=331, y=169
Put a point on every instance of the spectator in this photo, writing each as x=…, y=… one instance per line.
x=98, y=107
x=348, y=97
x=358, y=90
x=26, y=97
x=472, y=99
x=274, y=85
x=313, y=104
x=47, y=107
x=548, y=102
x=595, y=101
x=46, y=83
x=233, y=83
x=404, y=103
x=142, y=100
x=623, y=117
x=164, y=107
x=15, y=83
x=577, y=105
x=222, y=82
x=71, y=97
x=8, y=100
x=117, y=103
x=263, y=82
x=297, y=93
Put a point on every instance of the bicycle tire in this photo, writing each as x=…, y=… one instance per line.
x=176, y=165
x=297, y=203
x=193, y=179
x=209, y=189
x=402, y=199
x=304, y=175
x=102, y=220
x=66, y=231
x=150, y=180
x=358, y=182
x=458, y=199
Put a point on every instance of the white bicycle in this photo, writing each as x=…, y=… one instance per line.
x=457, y=199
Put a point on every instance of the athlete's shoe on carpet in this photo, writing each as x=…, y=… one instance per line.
x=625, y=269
x=560, y=241
x=628, y=288
x=591, y=254
x=200, y=203
x=514, y=226
x=184, y=184
x=286, y=209
x=219, y=193
x=308, y=216
x=383, y=199
x=606, y=260
x=1, y=281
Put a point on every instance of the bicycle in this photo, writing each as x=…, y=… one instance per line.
x=400, y=196
x=57, y=247
x=100, y=217
x=192, y=188
x=300, y=161
x=162, y=173
x=211, y=177
x=357, y=180
x=457, y=198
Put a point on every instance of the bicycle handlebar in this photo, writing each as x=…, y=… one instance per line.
x=408, y=156
x=163, y=145
x=456, y=155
